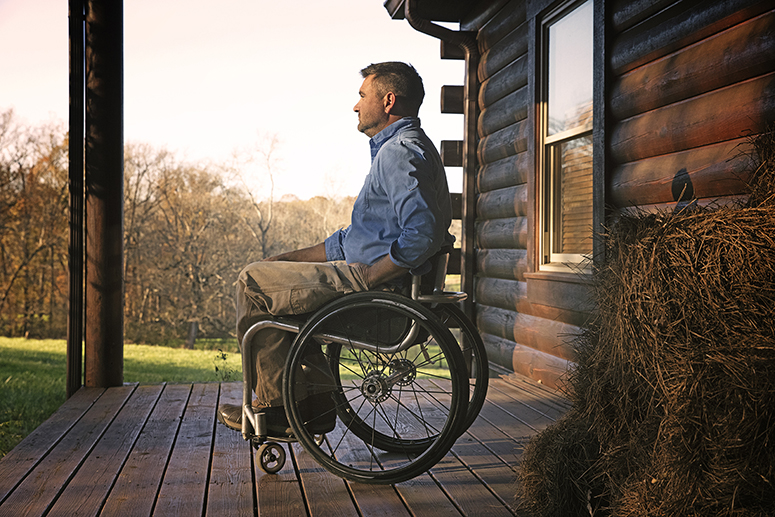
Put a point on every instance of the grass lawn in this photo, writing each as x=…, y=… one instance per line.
x=32, y=377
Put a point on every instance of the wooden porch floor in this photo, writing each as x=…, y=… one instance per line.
x=158, y=450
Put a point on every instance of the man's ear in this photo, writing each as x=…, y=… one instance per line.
x=389, y=102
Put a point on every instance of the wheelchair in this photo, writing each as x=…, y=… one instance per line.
x=407, y=375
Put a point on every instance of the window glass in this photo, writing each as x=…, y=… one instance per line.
x=570, y=69
x=573, y=189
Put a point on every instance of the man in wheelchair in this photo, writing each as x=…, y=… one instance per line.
x=399, y=220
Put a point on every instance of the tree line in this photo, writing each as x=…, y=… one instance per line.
x=189, y=228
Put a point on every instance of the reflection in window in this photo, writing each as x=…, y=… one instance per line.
x=570, y=70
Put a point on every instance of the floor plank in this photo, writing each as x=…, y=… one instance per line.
x=465, y=489
x=231, y=490
x=423, y=496
x=377, y=500
x=134, y=493
x=496, y=475
x=534, y=397
x=326, y=494
x=157, y=450
x=182, y=492
x=280, y=494
x=89, y=488
x=35, y=495
x=15, y=465
x=503, y=435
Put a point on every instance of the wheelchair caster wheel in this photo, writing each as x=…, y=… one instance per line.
x=271, y=457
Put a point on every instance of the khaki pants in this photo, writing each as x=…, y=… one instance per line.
x=267, y=289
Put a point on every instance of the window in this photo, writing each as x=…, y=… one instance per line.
x=566, y=139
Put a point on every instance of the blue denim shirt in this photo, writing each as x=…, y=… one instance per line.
x=403, y=208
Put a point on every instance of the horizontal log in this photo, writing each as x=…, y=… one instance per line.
x=506, y=202
x=736, y=54
x=710, y=171
x=510, y=79
x=498, y=292
x=504, y=143
x=511, y=171
x=503, y=52
x=452, y=99
x=499, y=351
x=731, y=201
x=676, y=27
x=626, y=13
x=452, y=153
x=502, y=263
x=502, y=233
x=545, y=368
x=547, y=336
x=569, y=317
x=561, y=291
x=563, y=302
x=504, y=112
x=502, y=23
x=713, y=117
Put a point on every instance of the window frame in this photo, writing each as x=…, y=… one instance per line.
x=548, y=145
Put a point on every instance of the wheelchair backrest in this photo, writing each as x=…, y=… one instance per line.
x=433, y=281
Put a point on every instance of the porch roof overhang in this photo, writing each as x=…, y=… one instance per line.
x=432, y=10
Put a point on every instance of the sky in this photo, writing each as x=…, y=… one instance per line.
x=204, y=78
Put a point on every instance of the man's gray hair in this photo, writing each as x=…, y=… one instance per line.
x=401, y=79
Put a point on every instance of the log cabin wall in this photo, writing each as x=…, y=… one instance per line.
x=691, y=79
x=525, y=323
x=683, y=83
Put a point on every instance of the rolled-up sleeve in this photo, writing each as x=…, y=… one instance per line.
x=334, y=248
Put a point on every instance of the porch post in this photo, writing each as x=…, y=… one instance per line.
x=104, y=354
x=75, y=170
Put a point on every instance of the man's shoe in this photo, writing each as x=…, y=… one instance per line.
x=230, y=416
x=276, y=422
x=318, y=412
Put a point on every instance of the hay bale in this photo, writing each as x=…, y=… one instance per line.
x=554, y=477
x=761, y=179
x=675, y=378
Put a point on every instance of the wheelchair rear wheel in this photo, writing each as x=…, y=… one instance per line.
x=396, y=379
x=471, y=344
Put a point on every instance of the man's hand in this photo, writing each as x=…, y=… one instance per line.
x=316, y=253
x=380, y=272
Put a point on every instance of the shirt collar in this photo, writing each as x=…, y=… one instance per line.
x=378, y=140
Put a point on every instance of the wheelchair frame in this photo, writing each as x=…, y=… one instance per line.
x=421, y=301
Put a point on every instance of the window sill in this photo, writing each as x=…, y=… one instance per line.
x=562, y=273
x=565, y=268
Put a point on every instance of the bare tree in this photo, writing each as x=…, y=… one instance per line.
x=184, y=247
x=260, y=161
x=189, y=230
x=33, y=223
